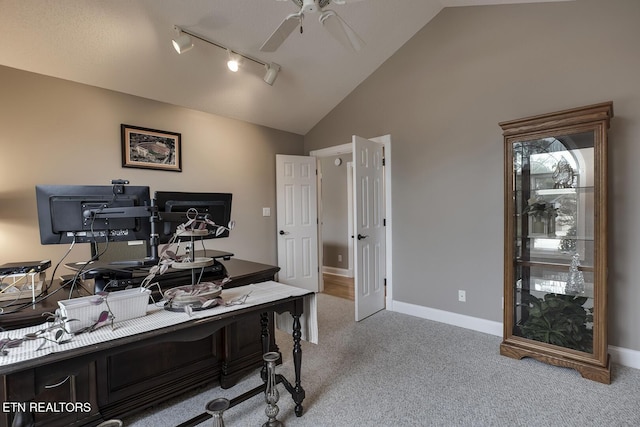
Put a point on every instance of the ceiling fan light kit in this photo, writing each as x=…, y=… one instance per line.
x=330, y=20
x=182, y=43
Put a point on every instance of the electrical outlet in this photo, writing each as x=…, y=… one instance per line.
x=339, y=258
x=462, y=296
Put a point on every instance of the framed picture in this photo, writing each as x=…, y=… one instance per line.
x=151, y=149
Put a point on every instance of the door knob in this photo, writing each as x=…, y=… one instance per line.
x=360, y=236
x=282, y=232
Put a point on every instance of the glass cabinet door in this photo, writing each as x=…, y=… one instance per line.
x=555, y=239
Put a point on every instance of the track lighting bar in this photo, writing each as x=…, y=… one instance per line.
x=181, y=44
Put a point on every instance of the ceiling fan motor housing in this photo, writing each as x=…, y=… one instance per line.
x=310, y=6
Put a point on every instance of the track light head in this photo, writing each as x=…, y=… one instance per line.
x=272, y=73
x=234, y=61
x=182, y=43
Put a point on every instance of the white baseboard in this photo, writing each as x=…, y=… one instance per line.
x=622, y=356
x=337, y=271
x=625, y=356
x=455, y=319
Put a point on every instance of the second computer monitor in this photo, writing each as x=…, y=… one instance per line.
x=216, y=207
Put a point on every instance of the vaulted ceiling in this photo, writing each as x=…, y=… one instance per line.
x=125, y=45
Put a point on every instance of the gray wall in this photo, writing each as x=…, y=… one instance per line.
x=58, y=132
x=441, y=98
x=335, y=238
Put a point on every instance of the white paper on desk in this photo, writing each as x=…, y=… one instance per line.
x=308, y=320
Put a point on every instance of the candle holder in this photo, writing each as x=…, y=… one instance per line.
x=271, y=394
x=215, y=408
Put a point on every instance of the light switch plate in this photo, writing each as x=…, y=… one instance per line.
x=266, y=211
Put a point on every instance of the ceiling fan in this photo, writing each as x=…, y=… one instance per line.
x=329, y=19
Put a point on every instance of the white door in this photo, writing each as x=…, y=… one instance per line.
x=297, y=219
x=369, y=238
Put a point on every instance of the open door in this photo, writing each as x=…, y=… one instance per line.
x=297, y=220
x=369, y=238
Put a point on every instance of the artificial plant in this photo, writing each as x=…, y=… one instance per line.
x=560, y=320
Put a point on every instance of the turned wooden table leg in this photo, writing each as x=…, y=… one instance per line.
x=264, y=327
x=298, y=392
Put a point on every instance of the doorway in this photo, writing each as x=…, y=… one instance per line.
x=335, y=182
x=347, y=150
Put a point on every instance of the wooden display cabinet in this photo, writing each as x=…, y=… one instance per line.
x=555, y=260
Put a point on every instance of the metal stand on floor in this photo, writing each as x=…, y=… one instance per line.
x=216, y=408
x=271, y=394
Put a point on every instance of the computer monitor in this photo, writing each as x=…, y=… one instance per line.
x=91, y=213
x=173, y=206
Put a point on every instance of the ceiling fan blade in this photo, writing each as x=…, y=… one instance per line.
x=281, y=33
x=340, y=30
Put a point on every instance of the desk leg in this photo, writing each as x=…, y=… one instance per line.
x=264, y=325
x=298, y=391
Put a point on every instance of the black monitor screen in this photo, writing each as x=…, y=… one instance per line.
x=90, y=213
x=173, y=207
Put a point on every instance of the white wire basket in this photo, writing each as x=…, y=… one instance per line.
x=124, y=305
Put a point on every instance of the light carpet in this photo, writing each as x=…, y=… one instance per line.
x=397, y=370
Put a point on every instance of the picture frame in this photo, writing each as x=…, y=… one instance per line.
x=146, y=148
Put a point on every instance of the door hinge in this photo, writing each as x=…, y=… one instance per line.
x=385, y=281
x=384, y=161
x=384, y=222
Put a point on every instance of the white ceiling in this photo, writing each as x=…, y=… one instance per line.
x=125, y=45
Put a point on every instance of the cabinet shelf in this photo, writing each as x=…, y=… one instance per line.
x=585, y=238
x=573, y=191
x=541, y=293
x=560, y=238
x=551, y=265
x=556, y=240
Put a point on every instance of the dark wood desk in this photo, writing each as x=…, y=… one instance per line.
x=241, y=272
x=119, y=379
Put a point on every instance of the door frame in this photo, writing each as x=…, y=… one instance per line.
x=337, y=150
x=350, y=214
